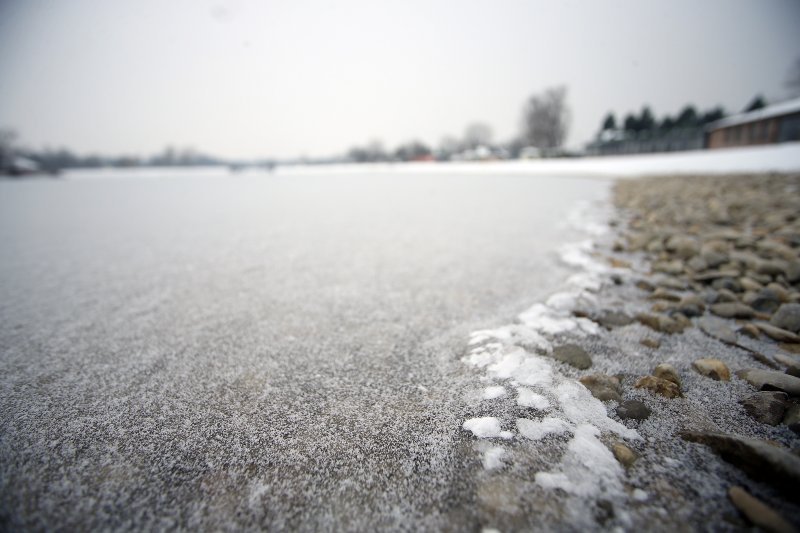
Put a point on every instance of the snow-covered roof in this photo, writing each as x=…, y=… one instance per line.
x=775, y=110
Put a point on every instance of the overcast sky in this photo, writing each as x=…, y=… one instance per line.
x=246, y=79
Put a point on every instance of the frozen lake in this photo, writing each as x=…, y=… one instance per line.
x=258, y=350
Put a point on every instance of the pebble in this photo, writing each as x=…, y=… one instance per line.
x=767, y=407
x=779, y=334
x=771, y=380
x=623, y=454
x=750, y=330
x=758, y=513
x=573, y=355
x=767, y=301
x=613, y=319
x=787, y=317
x=717, y=329
x=633, y=409
x=659, y=323
x=792, y=417
x=732, y=310
x=659, y=386
x=757, y=458
x=603, y=387
x=663, y=294
x=712, y=368
x=668, y=372
x=650, y=343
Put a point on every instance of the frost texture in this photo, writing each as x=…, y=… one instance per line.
x=587, y=469
x=514, y=355
x=537, y=430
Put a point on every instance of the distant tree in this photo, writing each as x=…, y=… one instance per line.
x=792, y=83
x=667, y=124
x=609, y=123
x=756, y=103
x=687, y=117
x=449, y=144
x=646, y=119
x=546, y=117
x=7, y=139
x=411, y=151
x=631, y=123
x=477, y=134
x=712, y=115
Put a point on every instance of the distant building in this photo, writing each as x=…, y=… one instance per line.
x=619, y=142
x=772, y=124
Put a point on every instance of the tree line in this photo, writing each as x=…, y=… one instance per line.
x=544, y=125
x=687, y=118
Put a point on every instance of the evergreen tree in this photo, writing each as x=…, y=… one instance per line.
x=610, y=123
x=757, y=103
x=646, y=120
x=687, y=117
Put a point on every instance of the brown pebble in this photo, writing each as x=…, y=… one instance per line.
x=651, y=343
x=660, y=386
x=712, y=368
x=668, y=372
x=624, y=455
x=750, y=330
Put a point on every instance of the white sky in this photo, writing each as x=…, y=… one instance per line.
x=254, y=79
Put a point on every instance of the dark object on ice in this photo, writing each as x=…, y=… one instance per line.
x=574, y=355
x=767, y=407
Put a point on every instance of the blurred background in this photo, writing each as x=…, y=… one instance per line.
x=90, y=83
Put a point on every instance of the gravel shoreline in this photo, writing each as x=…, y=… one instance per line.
x=697, y=349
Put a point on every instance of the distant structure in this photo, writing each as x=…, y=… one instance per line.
x=771, y=124
x=618, y=142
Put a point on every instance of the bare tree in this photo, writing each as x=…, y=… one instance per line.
x=546, y=117
x=477, y=134
x=793, y=79
x=7, y=139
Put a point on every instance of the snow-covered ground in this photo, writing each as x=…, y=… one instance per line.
x=779, y=157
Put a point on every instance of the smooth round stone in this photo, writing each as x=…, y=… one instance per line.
x=633, y=409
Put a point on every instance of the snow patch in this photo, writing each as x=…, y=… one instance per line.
x=486, y=427
x=537, y=430
x=528, y=398
x=588, y=468
x=495, y=391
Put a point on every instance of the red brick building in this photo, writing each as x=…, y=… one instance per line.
x=772, y=124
